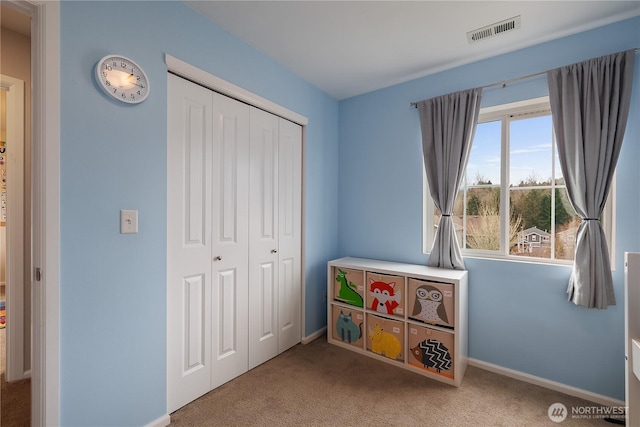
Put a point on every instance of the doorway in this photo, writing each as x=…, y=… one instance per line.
x=45, y=213
x=15, y=210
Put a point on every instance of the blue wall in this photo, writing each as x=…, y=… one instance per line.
x=519, y=317
x=113, y=287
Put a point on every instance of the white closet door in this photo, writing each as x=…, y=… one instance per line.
x=289, y=235
x=188, y=242
x=230, y=239
x=263, y=241
x=234, y=239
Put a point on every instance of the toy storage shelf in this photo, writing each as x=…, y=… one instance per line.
x=407, y=315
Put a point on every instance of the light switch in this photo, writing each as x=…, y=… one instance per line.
x=128, y=222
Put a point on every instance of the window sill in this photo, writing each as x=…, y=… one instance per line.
x=521, y=259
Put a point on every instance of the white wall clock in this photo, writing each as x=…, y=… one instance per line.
x=122, y=79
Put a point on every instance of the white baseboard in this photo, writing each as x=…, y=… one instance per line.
x=163, y=421
x=317, y=334
x=551, y=385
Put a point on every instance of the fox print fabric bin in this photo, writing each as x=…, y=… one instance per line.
x=385, y=294
x=431, y=302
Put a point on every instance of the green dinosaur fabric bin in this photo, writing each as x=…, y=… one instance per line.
x=348, y=286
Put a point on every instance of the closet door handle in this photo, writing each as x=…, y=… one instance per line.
x=273, y=251
x=217, y=258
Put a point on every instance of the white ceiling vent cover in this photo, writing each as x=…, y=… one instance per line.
x=493, y=30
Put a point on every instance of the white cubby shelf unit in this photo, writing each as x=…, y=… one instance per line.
x=411, y=316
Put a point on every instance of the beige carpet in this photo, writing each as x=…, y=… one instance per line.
x=323, y=385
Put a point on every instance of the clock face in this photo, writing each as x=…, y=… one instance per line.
x=122, y=79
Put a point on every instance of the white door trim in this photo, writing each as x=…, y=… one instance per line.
x=45, y=297
x=224, y=87
x=14, y=271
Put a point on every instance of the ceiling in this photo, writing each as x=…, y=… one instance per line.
x=347, y=48
x=15, y=21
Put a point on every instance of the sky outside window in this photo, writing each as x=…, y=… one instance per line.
x=484, y=159
x=531, y=151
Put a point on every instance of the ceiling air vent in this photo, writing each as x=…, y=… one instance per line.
x=494, y=30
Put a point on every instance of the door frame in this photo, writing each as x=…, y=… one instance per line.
x=224, y=87
x=45, y=208
x=46, y=214
x=15, y=282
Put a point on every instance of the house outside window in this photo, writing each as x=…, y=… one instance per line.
x=513, y=200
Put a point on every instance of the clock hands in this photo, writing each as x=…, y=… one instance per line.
x=135, y=83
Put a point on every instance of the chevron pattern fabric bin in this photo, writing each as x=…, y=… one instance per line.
x=431, y=350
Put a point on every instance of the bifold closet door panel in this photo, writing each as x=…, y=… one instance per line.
x=289, y=234
x=263, y=237
x=230, y=239
x=188, y=242
x=234, y=227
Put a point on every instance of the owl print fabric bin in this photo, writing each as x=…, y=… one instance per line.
x=431, y=350
x=348, y=325
x=385, y=294
x=348, y=286
x=431, y=302
x=385, y=337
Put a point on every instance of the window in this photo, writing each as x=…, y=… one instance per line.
x=513, y=200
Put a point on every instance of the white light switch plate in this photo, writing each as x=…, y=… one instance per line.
x=128, y=222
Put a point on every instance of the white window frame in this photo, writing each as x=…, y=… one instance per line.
x=533, y=107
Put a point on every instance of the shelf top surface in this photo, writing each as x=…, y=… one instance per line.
x=390, y=267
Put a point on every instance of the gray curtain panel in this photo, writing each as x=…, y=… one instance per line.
x=448, y=123
x=590, y=105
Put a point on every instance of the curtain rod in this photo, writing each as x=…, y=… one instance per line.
x=504, y=83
